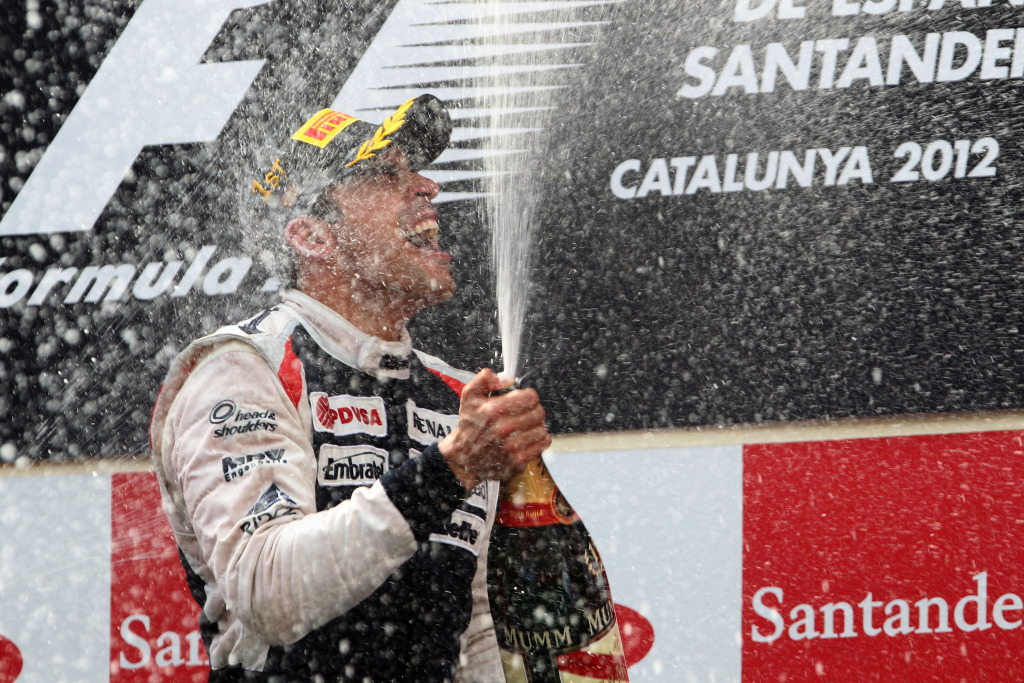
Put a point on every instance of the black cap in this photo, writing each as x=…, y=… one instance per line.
x=331, y=146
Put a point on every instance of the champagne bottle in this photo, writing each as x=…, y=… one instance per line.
x=552, y=609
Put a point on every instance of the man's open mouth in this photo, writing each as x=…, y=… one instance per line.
x=424, y=235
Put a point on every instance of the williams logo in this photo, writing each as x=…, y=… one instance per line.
x=428, y=427
x=341, y=415
x=351, y=465
x=236, y=467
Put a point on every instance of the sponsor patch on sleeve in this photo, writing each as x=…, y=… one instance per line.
x=427, y=426
x=236, y=467
x=273, y=504
x=344, y=414
x=322, y=128
x=228, y=419
x=350, y=465
x=465, y=530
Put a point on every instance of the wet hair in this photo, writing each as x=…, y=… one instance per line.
x=273, y=251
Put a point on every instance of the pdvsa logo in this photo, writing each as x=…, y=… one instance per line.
x=341, y=415
x=11, y=661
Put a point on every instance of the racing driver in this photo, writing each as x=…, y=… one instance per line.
x=331, y=489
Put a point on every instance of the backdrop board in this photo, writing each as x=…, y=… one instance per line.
x=747, y=210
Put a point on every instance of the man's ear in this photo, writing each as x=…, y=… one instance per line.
x=310, y=237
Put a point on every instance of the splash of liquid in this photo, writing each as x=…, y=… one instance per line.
x=513, y=231
x=533, y=56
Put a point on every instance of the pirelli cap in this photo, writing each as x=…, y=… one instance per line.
x=331, y=146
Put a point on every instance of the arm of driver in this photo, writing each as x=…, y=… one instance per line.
x=290, y=569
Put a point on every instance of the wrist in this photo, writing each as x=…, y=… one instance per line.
x=425, y=491
x=451, y=452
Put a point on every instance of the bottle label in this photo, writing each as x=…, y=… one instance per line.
x=552, y=611
x=601, y=661
x=593, y=626
x=531, y=514
x=532, y=499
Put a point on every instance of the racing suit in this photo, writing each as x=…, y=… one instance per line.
x=321, y=531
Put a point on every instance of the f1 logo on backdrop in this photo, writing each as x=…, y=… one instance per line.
x=153, y=90
x=150, y=90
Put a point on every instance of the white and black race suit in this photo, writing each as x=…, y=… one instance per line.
x=321, y=531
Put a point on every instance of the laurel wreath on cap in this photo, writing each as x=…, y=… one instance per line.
x=380, y=139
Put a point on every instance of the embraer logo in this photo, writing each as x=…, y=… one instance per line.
x=150, y=90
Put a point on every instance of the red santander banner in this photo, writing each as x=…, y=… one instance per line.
x=154, y=621
x=895, y=559
x=886, y=559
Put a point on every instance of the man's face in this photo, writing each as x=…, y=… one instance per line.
x=387, y=232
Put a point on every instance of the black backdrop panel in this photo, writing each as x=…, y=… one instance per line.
x=658, y=300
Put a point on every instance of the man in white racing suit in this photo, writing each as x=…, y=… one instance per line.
x=332, y=490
